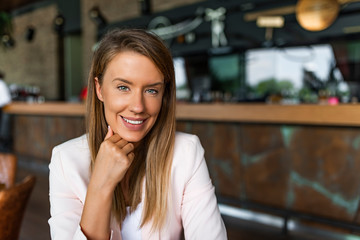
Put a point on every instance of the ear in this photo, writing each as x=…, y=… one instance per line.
x=98, y=90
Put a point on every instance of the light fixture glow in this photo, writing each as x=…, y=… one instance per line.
x=270, y=21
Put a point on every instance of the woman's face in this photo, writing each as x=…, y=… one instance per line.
x=132, y=91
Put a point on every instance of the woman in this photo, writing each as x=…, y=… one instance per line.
x=5, y=119
x=5, y=96
x=132, y=176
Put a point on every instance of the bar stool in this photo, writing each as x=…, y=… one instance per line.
x=13, y=201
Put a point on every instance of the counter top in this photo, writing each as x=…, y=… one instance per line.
x=341, y=115
x=47, y=108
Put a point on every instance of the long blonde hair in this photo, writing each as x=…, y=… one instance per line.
x=153, y=158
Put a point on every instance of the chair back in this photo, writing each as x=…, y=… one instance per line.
x=13, y=203
x=8, y=164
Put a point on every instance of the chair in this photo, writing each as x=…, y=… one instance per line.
x=13, y=201
x=8, y=165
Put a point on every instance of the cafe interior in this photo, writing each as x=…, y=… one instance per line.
x=270, y=87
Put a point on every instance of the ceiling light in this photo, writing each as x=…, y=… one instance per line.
x=316, y=15
x=97, y=17
x=270, y=21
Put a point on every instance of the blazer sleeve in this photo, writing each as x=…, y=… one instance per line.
x=200, y=213
x=65, y=206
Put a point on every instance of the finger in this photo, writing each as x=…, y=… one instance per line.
x=131, y=156
x=128, y=148
x=115, y=138
x=109, y=133
x=121, y=143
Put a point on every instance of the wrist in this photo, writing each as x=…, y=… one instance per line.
x=104, y=190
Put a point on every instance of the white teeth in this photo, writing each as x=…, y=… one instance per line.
x=133, y=122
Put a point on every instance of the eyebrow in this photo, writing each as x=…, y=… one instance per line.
x=130, y=83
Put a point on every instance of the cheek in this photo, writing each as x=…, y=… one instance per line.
x=155, y=106
x=113, y=107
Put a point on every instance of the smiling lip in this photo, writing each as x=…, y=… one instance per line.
x=133, y=121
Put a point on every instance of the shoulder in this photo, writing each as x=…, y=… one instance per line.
x=74, y=148
x=186, y=141
x=70, y=168
x=3, y=87
x=188, y=152
x=79, y=143
x=2, y=83
x=72, y=156
x=187, y=145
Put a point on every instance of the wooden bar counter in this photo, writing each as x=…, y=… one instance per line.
x=302, y=158
x=341, y=115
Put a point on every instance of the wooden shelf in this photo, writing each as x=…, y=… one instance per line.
x=48, y=108
x=341, y=115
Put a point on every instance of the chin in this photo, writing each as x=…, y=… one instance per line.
x=132, y=138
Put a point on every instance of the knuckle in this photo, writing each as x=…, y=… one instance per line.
x=127, y=162
x=131, y=146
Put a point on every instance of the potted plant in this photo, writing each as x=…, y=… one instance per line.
x=5, y=29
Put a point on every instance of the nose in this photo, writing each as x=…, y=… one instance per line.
x=137, y=104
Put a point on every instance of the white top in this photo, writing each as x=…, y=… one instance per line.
x=192, y=208
x=130, y=229
x=5, y=97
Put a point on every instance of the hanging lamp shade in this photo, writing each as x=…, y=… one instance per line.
x=316, y=15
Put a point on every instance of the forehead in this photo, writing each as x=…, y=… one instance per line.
x=130, y=64
x=127, y=57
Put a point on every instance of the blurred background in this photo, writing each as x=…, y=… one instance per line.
x=271, y=87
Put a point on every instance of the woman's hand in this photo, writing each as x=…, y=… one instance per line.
x=112, y=161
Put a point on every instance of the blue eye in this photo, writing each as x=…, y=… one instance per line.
x=123, y=88
x=152, y=91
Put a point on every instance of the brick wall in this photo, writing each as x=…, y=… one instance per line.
x=33, y=63
x=36, y=62
x=114, y=11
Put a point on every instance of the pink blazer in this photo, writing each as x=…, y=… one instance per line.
x=193, y=207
